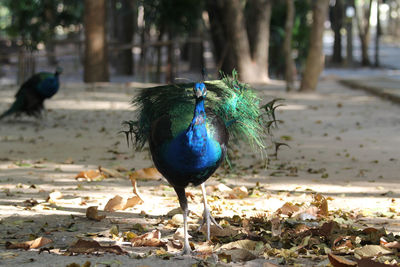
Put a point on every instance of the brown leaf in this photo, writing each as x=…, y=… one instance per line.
x=32, y=244
x=90, y=175
x=110, y=172
x=146, y=174
x=276, y=226
x=371, y=251
x=92, y=214
x=343, y=242
x=339, y=261
x=394, y=244
x=215, y=231
x=135, y=189
x=92, y=246
x=133, y=201
x=119, y=203
x=243, y=244
x=287, y=209
x=238, y=254
x=238, y=192
x=150, y=239
x=322, y=204
x=116, y=203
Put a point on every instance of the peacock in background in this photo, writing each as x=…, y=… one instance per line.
x=32, y=93
x=188, y=126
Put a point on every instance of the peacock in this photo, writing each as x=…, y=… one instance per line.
x=32, y=93
x=188, y=126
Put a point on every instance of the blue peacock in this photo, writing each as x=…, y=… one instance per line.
x=32, y=93
x=188, y=126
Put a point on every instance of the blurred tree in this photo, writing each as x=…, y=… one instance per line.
x=96, y=61
x=124, y=19
x=336, y=16
x=300, y=35
x=234, y=46
x=378, y=32
x=174, y=19
x=315, y=57
x=258, y=18
x=34, y=22
x=287, y=46
x=363, y=14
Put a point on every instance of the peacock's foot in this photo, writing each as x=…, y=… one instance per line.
x=186, y=251
x=207, y=220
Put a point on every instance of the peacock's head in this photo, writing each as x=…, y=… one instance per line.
x=200, y=90
x=59, y=70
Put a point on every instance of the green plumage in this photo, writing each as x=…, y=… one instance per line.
x=234, y=102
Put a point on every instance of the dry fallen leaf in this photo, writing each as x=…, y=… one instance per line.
x=238, y=254
x=253, y=246
x=146, y=174
x=238, y=192
x=339, y=261
x=394, y=244
x=218, y=232
x=32, y=244
x=90, y=175
x=150, y=239
x=92, y=214
x=91, y=246
x=369, y=251
x=110, y=172
x=322, y=204
x=287, y=209
x=135, y=189
x=119, y=203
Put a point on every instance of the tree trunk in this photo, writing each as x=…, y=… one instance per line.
x=96, y=61
x=258, y=24
x=221, y=49
x=364, y=33
x=349, y=35
x=26, y=64
x=195, y=52
x=126, y=23
x=378, y=32
x=159, y=55
x=336, y=18
x=315, y=57
x=287, y=46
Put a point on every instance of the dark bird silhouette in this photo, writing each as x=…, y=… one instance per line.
x=32, y=93
x=188, y=127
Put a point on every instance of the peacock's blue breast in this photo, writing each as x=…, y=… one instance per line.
x=184, y=156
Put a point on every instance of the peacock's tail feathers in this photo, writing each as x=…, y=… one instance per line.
x=234, y=102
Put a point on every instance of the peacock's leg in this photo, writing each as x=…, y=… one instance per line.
x=207, y=217
x=180, y=191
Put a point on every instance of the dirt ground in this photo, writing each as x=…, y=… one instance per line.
x=343, y=143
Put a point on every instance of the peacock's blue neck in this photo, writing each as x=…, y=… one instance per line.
x=197, y=132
